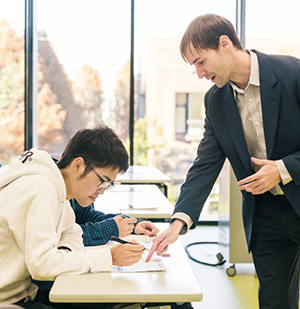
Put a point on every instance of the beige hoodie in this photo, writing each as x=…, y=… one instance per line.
x=35, y=219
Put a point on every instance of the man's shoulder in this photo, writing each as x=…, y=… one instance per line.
x=276, y=60
x=274, y=68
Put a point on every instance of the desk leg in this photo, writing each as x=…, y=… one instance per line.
x=164, y=187
x=166, y=190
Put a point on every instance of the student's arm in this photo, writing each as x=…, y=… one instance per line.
x=84, y=214
x=98, y=227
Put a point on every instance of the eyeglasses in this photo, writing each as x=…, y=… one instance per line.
x=103, y=184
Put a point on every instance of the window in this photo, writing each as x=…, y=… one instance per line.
x=84, y=57
x=181, y=114
x=189, y=118
x=281, y=35
x=172, y=93
x=84, y=76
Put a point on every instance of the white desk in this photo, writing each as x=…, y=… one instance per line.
x=177, y=284
x=137, y=195
x=144, y=174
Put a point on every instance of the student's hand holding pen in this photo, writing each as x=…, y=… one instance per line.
x=125, y=225
x=126, y=254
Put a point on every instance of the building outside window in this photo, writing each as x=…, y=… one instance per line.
x=189, y=116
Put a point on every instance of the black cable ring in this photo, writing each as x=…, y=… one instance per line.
x=219, y=255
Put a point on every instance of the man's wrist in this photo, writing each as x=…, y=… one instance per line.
x=283, y=172
x=177, y=225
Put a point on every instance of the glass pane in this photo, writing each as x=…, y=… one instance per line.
x=162, y=73
x=84, y=57
x=196, y=106
x=195, y=119
x=181, y=98
x=11, y=79
x=180, y=118
x=276, y=33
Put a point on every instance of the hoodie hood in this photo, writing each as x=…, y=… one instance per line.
x=34, y=162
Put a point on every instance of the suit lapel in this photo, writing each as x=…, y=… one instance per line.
x=270, y=100
x=234, y=124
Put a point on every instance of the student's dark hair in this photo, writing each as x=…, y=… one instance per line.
x=99, y=147
x=204, y=32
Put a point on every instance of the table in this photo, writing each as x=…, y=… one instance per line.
x=178, y=284
x=144, y=174
x=117, y=199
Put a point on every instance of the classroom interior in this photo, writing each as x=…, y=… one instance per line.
x=118, y=62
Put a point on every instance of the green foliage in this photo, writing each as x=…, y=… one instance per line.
x=142, y=128
x=141, y=144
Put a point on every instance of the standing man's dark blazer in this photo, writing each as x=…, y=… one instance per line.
x=224, y=137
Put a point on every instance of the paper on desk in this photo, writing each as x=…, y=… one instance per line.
x=144, y=240
x=139, y=238
x=155, y=263
x=139, y=267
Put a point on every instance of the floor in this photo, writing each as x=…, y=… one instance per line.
x=220, y=290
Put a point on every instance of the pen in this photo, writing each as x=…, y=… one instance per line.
x=123, y=216
x=121, y=241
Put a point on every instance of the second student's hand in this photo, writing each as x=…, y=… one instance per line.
x=125, y=225
x=146, y=228
x=126, y=254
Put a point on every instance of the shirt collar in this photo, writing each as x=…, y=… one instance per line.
x=254, y=73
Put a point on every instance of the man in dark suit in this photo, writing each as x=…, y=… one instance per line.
x=253, y=119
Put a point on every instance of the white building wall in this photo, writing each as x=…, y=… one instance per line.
x=164, y=73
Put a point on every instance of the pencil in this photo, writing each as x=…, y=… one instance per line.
x=122, y=241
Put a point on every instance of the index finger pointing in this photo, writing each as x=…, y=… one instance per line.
x=151, y=252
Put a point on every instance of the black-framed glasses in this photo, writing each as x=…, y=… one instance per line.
x=103, y=184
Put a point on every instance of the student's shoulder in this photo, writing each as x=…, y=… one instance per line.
x=40, y=180
x=40, y=185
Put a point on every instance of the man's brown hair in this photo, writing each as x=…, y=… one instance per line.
x=204, y=32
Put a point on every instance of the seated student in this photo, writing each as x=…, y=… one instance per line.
x=39, y=236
